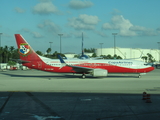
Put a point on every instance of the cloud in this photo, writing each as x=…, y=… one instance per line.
x=115, y=12
x=158, y=29
x=126, y=28
x=120, y=23
x=78, y=34
x=86, y=22
x=102, y=34
x=19, y=10
x=143, y=31
x=137, y=28
x=50, y=26
x=5, y=35
x=45, y=8
x=34, y=34
x=25, y=30
x=77, y=4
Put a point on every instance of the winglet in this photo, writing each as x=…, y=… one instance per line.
x=62, y=61
x=60, y=58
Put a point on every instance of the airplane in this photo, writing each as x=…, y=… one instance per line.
x=96, y=68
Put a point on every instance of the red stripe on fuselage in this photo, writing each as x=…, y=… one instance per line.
x=40, y=65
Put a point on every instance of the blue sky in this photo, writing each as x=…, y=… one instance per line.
x=137, y=23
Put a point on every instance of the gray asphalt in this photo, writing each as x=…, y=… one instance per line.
x=37, y=95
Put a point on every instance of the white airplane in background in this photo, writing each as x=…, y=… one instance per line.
x=97, y=68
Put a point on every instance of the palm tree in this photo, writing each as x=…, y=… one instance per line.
x=1, y=51
x=6, y=52
x=144, y=58
x=11, y=49
x=94, y=55
x=150, y=58
x=48, y=51
x=39, y=52
x=119, y=57
x=15, y=54
x=109, y=56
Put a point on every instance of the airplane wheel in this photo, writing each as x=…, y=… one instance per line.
x=139, y=76
x=83, y=76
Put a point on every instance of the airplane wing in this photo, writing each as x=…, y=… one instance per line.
x=81, y=69
x=75, y=68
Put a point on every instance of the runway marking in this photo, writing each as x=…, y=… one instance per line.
x=46, y=118
x=86, y=99
x=154, y=89
x=44, y=106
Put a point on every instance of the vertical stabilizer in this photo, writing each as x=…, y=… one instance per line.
x=26, y=53
x=83, y=56
x=82, y=46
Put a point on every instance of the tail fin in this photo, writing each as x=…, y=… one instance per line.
x=82, y=46
x=26, y=52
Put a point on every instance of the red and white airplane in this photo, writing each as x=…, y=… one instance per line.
x=97, y=68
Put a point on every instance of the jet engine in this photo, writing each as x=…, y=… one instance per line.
x=99, y=73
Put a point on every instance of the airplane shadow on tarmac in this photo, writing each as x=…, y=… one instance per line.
x=71, y=76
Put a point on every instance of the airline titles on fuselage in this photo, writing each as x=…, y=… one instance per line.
x=87, y=63
x=120, y=62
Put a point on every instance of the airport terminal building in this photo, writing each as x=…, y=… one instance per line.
x=127, y=53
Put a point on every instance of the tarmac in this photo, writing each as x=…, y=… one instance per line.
x=38, y=95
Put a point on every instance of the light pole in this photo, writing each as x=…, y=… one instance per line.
x=159, y=50
x=60, y=41
x=50, y=47
x=101, y=47
x=114, y=44
x=1, y=50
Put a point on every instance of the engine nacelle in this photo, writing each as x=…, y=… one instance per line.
x=99, y=73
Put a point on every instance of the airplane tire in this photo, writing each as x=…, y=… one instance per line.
x=83, y=76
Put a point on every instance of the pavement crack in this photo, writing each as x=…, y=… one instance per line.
x=129, y=108
x=4, y=104
x=44, y=106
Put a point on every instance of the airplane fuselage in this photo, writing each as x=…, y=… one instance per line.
x=112, y=66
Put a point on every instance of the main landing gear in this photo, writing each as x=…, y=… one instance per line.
x=83, y=76
x=139, y=76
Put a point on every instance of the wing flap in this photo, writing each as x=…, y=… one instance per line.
x=80, y=69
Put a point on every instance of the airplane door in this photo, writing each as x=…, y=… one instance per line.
x=39, y=65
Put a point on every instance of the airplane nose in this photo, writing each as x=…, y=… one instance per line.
x=151, y=68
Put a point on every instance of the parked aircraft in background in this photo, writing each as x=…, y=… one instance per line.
x=83, y=56
x=97, y=68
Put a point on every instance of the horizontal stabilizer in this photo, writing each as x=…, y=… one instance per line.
x=21, y=61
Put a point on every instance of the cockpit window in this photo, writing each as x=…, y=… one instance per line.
x=148, y=64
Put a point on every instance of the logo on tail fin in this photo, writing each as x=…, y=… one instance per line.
x=24, y=49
